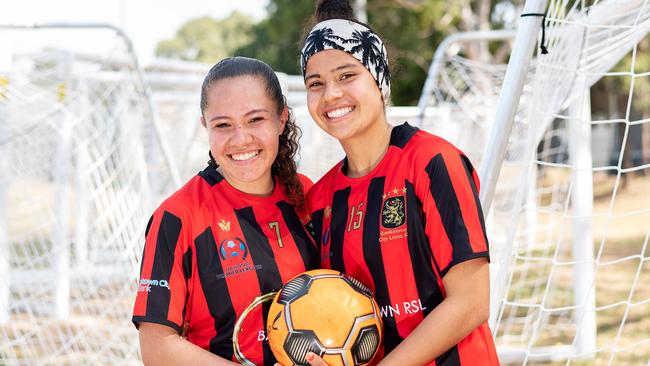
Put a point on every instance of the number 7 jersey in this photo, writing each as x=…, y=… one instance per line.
x=400, y=228
x=210, y=250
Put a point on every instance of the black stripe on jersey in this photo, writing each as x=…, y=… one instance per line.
x=216, y=293
x=187, y=273
x=146, y=232
x=337, y=226
x=420, y=252
x=269, y=277
x=442, y=190
x=449, y=358
x=163, y=261
x=187, y=264
x=211, y=175
x=400, y=135
x=469, y=169
x=374, y=260
x=317, y=224
x=307, y=249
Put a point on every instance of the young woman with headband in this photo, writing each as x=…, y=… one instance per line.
x=400, y=212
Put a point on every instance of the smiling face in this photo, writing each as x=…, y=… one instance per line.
x=342, y=96
x=244, y=126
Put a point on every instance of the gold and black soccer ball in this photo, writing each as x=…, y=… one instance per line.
x=328, y=313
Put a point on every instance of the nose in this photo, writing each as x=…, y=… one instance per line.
x=241, y=136
x=332, y=92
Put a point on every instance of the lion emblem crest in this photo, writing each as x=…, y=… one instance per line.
x=392, y=213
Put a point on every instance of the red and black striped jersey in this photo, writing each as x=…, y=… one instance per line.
x=400, y=228
x=210, y=250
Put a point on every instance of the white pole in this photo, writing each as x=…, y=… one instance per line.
x=360, y=10
x=582, y=210
x=82, y=166
x=61, y=240
x=513, y=83
x=4, y=203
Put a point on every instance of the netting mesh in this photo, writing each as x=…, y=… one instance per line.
x=570, y=220
x=74, y=200
x=569, y=224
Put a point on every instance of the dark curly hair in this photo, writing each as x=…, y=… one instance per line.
x=284, y=167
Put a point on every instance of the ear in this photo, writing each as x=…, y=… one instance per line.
x=284, y=116
x=203, y=122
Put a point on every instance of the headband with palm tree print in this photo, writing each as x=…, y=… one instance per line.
x=355, y=39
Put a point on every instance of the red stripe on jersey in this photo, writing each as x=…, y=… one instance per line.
x=441, y=246
x=178, y=286
x=149, y=252
x=465, y=196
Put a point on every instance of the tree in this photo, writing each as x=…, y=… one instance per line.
x=208, y=40
x=276, y=38
x=412, y=29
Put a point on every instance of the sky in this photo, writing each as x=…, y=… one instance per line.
x=145, y=21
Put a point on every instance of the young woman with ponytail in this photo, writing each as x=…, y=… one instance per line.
x=400, y=212
x=233, y=232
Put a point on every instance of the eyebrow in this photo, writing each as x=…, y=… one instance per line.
x=344, y=66
x=247, y=114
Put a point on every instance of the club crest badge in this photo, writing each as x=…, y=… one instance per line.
x=392, y=212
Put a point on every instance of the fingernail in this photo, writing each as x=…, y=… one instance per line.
x=310, y=356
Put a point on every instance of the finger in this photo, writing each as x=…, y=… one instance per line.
x=315, y=360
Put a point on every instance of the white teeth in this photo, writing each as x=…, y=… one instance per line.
x=339, y=112
x=244, y=156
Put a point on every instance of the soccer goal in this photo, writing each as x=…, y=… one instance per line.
x=567, y=193
x=77, y=143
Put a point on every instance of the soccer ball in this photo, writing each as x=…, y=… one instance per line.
x=328, y=313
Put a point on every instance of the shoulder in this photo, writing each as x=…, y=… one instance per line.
x=185, y=200
x=317, y=192
x=422, y=148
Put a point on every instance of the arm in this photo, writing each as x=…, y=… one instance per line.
x=161, y=345
x=465, y=308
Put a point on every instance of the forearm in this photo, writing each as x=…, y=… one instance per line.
x=439, y=331
x=160, y=345
x=464, y=309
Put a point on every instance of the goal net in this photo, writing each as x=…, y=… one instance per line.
x=75, y=148
x=570, y=220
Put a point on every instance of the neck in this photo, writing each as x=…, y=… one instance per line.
x=365, y=152
x=262, y=187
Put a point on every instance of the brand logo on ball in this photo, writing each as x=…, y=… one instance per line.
x=392, y=212
x=233, y=248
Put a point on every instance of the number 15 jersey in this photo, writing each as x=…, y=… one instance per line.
x=399, y=230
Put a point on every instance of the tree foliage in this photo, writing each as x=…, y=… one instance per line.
x=276, y=38
x=208, y=40
x=412, y=29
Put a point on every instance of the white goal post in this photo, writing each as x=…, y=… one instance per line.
x=78, y=138
x=564, y=180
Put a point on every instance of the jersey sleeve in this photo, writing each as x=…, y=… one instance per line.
x=454, y=219
x=165, y=267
